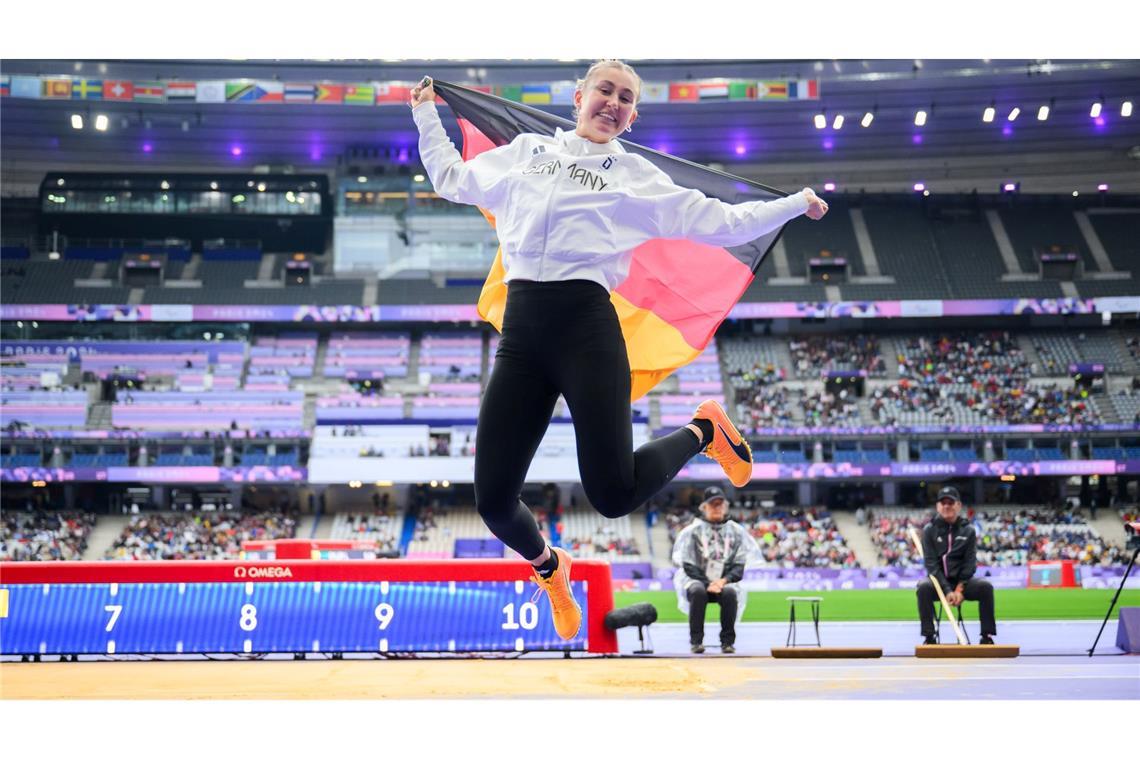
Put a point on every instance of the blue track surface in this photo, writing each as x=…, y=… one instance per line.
x=1053, y=663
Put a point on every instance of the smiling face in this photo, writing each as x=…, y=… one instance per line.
x=949, y=509
x=607, y=104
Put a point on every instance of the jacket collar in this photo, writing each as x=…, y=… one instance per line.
x=572, y=143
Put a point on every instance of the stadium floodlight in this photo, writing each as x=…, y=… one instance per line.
x=101, y=122
x=1013, y=114
x=1102, y=187
x=76, y=121
x=1126, y=108
x=362, y=179
x=164, y=185
x=1076, y=193
x=867, y=119
x=1042, y=113
x=920, y=118
x=838, y=122
x=213, y=185
x=418, y=178
x=829, y=187
x=988, y=114
x=919, y=187
x=820, y=121
x=1095, y=110
x=1009, y=187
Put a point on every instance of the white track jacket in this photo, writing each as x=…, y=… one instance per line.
x=567, y=208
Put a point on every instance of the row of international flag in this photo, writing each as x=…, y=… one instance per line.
x=377, y=93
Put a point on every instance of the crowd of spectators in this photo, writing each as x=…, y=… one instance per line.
x=605, y=540
x=202, y=535
x=891, y=537
x=766, y=406
x=1007, y=400
x=817, y=354
x=798, y=537
x=962, y=357
x=828, y=409
x=1015, y=538
x=44, y=535
x=795, y=537
x=425, y=521
x=381, y=527
x=1005, y=538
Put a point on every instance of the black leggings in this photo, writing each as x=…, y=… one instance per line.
x=564, y=337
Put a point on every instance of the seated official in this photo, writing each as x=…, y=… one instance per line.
x=950, y=551
x=710, y=554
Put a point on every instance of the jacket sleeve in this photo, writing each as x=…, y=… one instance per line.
x=932, y=559
x=695, y=572
x=662, y=209
x=734, y=573
x=969, y=558
x=685, y=555
x=478, y=182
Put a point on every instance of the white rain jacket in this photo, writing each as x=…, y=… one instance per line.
x=568, y=208
x=706, y=545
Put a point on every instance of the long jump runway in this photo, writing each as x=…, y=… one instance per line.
x=1052, y=666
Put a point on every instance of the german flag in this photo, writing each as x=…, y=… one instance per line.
x=677, y=292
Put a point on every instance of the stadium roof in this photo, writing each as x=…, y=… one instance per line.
x=775, y=142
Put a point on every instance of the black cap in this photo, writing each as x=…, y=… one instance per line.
x=713, y=492
x=950, y=491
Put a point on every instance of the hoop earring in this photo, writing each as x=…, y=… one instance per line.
x=629, y=128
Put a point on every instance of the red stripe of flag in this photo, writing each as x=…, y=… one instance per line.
x=692, y=286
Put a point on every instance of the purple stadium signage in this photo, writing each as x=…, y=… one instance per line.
x=467, y=312
x=156, y=474
x=252, y=435
x=51, y=475
x=909, y=470
x=815, y=432
x=74, y=350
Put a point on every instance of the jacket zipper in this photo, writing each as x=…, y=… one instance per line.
x=546, y=225
x=946, y=556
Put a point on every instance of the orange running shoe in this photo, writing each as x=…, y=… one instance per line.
x=566, y=612
x=728, y=448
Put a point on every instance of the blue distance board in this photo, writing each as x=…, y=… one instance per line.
x=208, y=618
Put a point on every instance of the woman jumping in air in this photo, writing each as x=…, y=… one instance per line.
x=569, y=210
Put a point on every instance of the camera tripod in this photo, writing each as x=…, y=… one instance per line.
x=1113, y=605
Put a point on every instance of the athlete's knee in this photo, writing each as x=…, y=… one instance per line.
x=728, y=593
x=696, y=591
x=492, y=505
x=610, y=502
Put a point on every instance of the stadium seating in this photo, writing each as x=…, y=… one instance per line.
x=204, y=535
x=30, y=536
